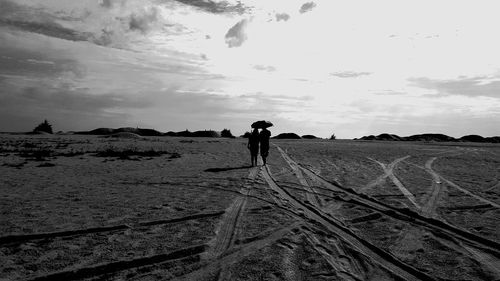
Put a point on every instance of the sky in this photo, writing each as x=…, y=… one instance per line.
x=349, y=68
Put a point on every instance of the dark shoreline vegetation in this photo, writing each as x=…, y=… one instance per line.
x=431, y=138
x=130, y=132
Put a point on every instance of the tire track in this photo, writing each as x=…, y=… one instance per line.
x=410, y=241
x=378, y=181
x=407, y=215
x=429, y=205
x=345, y=267
x=389, y=172
x=21, y=238
x=312, y=197
x=482, y=199
x=376, y=254
x=219, y=266
x=228, y=226
x=493, y=187
x=113, y=267
x=437, y=178
x=491, y=263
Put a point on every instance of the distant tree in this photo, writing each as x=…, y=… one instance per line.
x=246, y=135
x=333, y=137
x=226, y=134
x=44, y=127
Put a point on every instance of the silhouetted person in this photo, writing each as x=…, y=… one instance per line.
x=264, y=136
x=253, y=145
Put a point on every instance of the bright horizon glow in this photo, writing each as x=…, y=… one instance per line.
x=352, y=68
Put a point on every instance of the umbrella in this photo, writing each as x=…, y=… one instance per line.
x=262, y=124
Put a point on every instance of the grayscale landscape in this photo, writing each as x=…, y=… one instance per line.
x=173, y=208
x=242, y=140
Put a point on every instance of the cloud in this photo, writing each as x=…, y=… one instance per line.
x=216, y=7
x=282, y=16
x=268, y=68
x=75, y=108
x=349, y=74
x=236, y=35
x=103, y=23
x=36, y=64
x=37, y=20
x=306, y=7
x=471, y=87
x=106, y=3
x=143, y=20
x=278, y=99
x=390, y=93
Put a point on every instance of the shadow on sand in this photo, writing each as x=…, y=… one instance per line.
x=217, y=170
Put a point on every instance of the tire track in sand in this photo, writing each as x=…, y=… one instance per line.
x=311, y=196
x=482, y=199
x=439, y=179
x=21, y=238
x=408, y=216
x=491, y=263
x=360, y=245
x=380, y=179
x=410, y=241
x=430, y=200
x=389, y=172
x=338, y=255
x=240, y=252
x=227, y=229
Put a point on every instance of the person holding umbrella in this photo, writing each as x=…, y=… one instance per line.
x=253, y=145
x=264, y=136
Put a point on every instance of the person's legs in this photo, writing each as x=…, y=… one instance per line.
x=263, y=154
x=254, y=154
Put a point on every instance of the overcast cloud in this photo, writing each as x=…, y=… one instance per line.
x=317, y=67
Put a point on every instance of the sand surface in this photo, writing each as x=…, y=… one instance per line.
x=93, y=208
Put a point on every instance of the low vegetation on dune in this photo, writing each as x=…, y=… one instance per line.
x=43, y=127
x=46, y=151
x=246, y=135
x=431, y=137
x=226, y=133
x=127, y=153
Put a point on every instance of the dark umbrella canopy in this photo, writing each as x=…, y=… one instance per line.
x=261, y=124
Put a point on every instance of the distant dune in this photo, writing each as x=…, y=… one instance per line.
x=312, y=137
x=287, y=136
x=110, y=131
x=432, y=137
x=150, y=132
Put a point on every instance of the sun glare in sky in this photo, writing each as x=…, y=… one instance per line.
x=351, y=68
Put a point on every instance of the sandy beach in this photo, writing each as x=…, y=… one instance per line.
x=162, y=208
